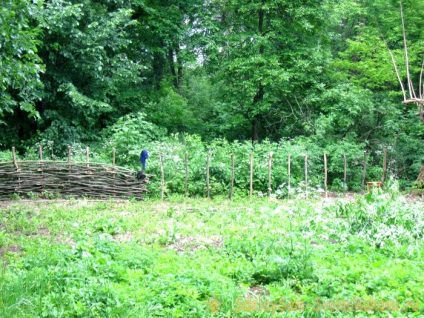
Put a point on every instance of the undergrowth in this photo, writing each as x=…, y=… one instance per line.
x=203, y=258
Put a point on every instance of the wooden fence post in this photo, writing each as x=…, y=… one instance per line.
x=186, y=174
x=232, y=176
x=364, y=174
x=69, y=157
x=69, y=165
x=113, y=156
x=288, y=175
x=269, y=173
x=207, y=176
x=325, y=174
x=384, y=165
x=40, y=156
x=345, y=173
x=251, y=175
x=162, y=177
x=15, y=163
x=306, y=173
x=40, y=152
x=87, y=156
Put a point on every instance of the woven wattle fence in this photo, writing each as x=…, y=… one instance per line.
x=93, y=180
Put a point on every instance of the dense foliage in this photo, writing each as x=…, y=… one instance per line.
x=132, y=73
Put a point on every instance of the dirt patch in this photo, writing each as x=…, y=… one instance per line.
x=10, y=249
x=44, y=232
x=125, y=237
x=194, y=243
x=257, y=291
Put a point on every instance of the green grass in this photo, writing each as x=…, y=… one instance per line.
x=213, y=258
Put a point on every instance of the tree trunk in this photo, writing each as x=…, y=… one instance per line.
x=255, y=129
x=261, y=92
x=172, y=67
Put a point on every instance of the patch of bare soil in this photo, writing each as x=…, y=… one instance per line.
x=194, y=243
x=125, y=237
x=257, y=291
x=10, y=249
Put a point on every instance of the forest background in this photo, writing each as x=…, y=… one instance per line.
x=213, y=76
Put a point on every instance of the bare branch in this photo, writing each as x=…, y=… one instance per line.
x=421, y=81
x=410, y=85
x=397, y=74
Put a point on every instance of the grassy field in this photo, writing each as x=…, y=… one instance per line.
x=362, y=257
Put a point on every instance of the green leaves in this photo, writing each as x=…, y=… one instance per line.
x=20, y=66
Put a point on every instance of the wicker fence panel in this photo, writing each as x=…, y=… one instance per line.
x=94, y=180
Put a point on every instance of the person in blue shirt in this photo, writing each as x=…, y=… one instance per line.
x=144, y=155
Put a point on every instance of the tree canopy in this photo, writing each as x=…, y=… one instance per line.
x=264, y=69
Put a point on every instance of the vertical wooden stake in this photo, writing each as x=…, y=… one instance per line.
x=345, y=173
x=87, y=156
x=15, y=163
x=269, y=173
x=162, y=177
x=364, y=174
x=232, y=176
x=325, y=174
x=384, y=165
x=186, y=174
x=113, y=156
x=251, y=175
x=40, y=155
x=207, y=177
x=288, y=175
x=306, y=173
x=40, y=152
x=69, y=157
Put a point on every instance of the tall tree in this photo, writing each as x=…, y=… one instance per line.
x=20, y=84
x=165, y=33
x=88, y=69
x=270, y=55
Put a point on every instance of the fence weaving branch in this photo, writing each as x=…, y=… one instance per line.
x=77, y=180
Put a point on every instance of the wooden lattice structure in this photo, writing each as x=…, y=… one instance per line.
x=65, y=179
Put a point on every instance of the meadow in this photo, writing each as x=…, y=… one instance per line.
x=305, y=257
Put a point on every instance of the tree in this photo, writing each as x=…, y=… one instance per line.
x=165, y=34
x=269, y=56
x=20, y=84
x=89, y=76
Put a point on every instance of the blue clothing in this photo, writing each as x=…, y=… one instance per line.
x=144, y=155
